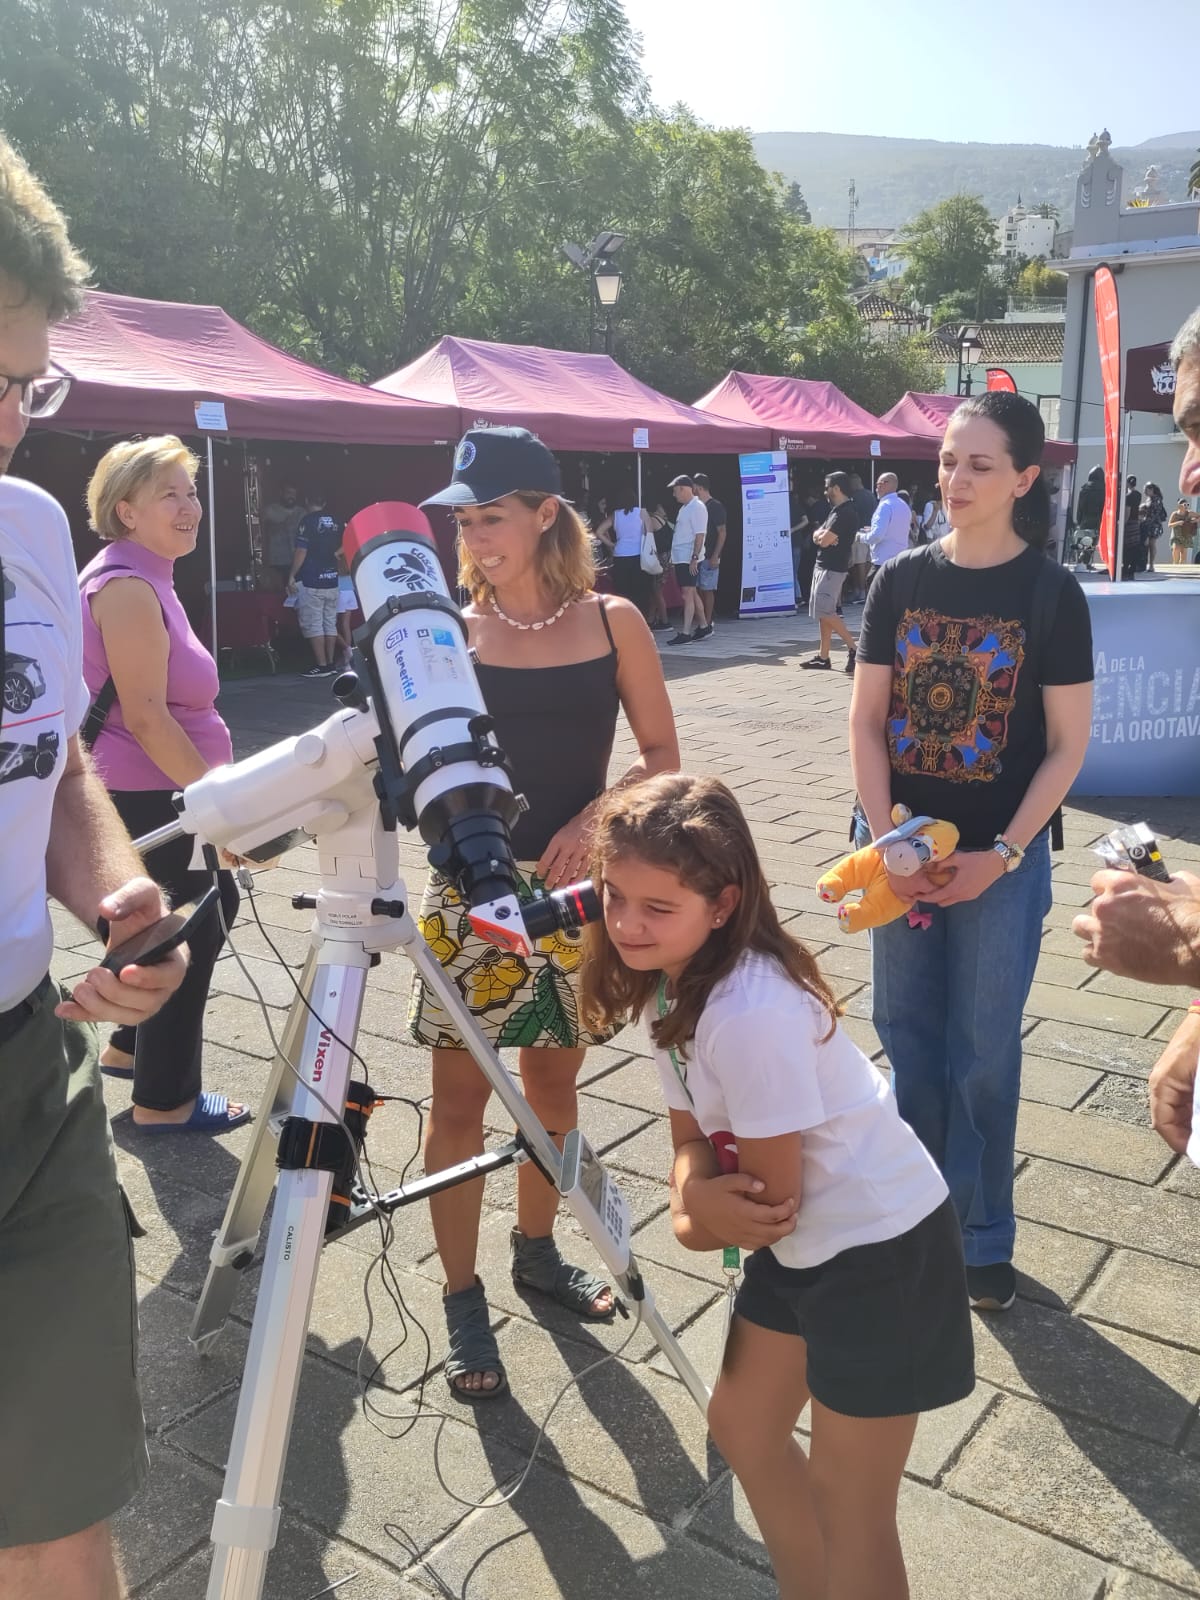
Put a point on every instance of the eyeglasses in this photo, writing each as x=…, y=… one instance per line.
x=40, y=397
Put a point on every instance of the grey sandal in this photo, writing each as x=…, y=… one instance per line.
x=536, y=1264
x=473, y=1345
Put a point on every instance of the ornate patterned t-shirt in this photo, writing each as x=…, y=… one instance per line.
x=965, y=729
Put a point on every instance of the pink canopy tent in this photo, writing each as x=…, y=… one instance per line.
x=925, y=416
x=157, y=366
x=806, y=417
x=144, y=364
x=570, y=400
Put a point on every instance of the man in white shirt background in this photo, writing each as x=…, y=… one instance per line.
x=72, y=1441
x=890, y=524
x=687, y=546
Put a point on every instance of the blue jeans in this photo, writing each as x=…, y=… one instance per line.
x=947, y=1005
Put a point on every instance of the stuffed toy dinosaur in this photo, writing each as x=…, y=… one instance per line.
x=913, y=846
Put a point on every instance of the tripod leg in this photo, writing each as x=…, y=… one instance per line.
x=247, y=1515
x=237, y=1238
x=611, y=1241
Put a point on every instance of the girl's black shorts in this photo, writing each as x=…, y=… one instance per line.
x=888, y=1325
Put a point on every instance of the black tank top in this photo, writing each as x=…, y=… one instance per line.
x=556, y=725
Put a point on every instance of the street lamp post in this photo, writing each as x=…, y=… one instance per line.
x=606, y=283
x=596, y=260
x=970, y=352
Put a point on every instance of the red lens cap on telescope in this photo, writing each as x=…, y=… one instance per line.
x=384, y=517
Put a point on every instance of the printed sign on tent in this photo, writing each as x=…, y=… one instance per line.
x=641, y=438
x=210, y=416
x=768, y=581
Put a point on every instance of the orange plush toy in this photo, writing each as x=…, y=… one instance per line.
x=913, y=845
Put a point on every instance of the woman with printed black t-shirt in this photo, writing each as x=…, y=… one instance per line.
x=972, y=703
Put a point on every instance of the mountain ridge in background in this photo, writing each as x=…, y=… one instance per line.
x=897, y=178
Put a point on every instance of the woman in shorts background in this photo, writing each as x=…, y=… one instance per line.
x=556, y=663
x=314, y=582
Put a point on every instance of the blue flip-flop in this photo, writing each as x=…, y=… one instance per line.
x=210, y=1114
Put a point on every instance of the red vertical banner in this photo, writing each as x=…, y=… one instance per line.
x=1000, y=380
x=1108, y=338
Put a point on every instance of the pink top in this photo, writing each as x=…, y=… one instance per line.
x=192, y=682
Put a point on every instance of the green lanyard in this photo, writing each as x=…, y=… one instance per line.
x=731, y=1255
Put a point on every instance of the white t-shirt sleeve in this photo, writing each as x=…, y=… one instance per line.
x=673, y=1091
x=766, y=1065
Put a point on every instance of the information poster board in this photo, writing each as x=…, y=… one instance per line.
x=768, y=582
x=1146, y=706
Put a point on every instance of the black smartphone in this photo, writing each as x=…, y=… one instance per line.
x=155, y=943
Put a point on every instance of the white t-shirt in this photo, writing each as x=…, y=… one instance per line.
x=757, y=1068
x=691, y=524
x=45, y=700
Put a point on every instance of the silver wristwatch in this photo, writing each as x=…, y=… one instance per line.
x=1011, y=854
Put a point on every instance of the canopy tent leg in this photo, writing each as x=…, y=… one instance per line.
x=212, y=550
x=638, y=453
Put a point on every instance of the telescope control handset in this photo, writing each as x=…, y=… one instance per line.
x=441, y=770
x=595, y=1199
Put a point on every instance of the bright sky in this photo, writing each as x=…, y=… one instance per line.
x=1013, y=72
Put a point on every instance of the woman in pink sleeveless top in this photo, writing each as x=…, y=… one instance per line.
x=161, y=733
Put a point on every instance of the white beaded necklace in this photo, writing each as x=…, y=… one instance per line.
x=526, y=627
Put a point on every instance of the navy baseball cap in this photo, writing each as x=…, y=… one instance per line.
x=492, y=462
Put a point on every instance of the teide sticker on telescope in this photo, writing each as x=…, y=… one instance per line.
x=412, y=569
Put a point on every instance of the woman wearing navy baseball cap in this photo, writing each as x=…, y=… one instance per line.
x=556, y=662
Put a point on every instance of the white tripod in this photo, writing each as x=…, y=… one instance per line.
x=360, y=912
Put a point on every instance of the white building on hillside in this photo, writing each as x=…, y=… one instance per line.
x=1021, y=232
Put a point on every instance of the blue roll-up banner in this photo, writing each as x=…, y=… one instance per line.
x=768, y=582
x=1146, y=717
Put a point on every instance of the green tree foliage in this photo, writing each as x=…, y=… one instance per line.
x=874, y=372
x=795, y=203
x=1037, y=281
x=949, y=248
x=1194, y=176
x=354, y=178
x=332, y=161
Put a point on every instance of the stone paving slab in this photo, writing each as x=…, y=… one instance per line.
x=954, y=1551
x=346, y=1476
x=1097, y=1143
x=168, y=1520
x=1106, y=1374
x=1147, y=1295
x=559, y=1538
x=1053, y=1266
x=304, y=1564
x=1111, y=1209
x=1124, y=1500
x=1057, y=1083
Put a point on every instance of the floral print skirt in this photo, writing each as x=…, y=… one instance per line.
x=517, y=1000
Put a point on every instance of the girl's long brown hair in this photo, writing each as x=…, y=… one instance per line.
x=694, y=828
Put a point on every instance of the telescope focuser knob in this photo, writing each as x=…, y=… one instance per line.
x=349, y=691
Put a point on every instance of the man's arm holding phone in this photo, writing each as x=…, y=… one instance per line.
x=93, y=870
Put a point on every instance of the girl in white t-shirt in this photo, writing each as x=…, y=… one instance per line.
x=787, y=1141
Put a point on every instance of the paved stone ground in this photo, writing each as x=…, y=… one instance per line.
x=1072, y=1472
